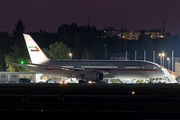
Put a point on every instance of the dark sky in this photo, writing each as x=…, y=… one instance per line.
x=49, y=14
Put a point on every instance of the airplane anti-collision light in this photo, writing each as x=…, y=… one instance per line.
x=22, y=62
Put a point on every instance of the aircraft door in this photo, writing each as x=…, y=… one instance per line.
x=144, y=70
x=144, y=66
x=77, y=66
x=120, y=66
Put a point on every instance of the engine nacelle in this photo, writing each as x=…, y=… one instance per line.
x=95, y=76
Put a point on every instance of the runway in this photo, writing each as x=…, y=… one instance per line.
x=92, y=102
x=50, y=114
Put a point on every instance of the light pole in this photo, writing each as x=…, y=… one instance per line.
x=168, y=59
x=135, y=55
x=144, y=55
x=160, y=58
x=126, y=55
x=154, y=56
x=105, y=45
x=163, y=57
x=70, y=54
x=172, y=61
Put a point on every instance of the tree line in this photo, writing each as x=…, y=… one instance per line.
x=84, y=42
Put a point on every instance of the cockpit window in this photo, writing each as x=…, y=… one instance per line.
x=157, y=67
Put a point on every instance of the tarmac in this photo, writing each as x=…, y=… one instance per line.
x=127, y=100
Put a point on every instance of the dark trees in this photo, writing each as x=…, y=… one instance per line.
x=17, y=49
x=81, y=39
x=19, y=29
x=57, y=51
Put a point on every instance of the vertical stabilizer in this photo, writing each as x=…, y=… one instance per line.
x=36, y=54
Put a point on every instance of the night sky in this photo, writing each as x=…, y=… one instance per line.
x=49, y=14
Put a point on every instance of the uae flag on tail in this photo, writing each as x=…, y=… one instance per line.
x=33, y=48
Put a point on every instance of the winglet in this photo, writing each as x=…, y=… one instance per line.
x=36, y=54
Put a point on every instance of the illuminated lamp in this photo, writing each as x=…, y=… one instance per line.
x=22, y=62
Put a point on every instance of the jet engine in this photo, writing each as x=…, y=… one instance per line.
x=95, y=76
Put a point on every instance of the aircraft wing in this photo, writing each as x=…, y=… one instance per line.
x=44, y=66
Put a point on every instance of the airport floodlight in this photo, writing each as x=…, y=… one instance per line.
x=160, y=55
x=70, y=54
x=163, y=54
x=162, y=58
x=168, y=59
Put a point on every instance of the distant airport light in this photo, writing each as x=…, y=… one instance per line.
x=70, y=54
x=173, y=76
x=162, y=58
x=90, y=82
x=63, y=82
x=163, y=54
x=22, y=62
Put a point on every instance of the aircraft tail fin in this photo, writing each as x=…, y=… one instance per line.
x=36, y=54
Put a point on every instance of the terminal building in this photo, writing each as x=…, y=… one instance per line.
x=13, y=77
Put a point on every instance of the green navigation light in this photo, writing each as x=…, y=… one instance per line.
x=22, y=62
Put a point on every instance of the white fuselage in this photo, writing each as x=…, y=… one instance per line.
x=110, y=69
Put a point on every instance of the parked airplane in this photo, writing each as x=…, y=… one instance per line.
x=94, y=70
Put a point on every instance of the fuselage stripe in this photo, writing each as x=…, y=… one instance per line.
x=106, y=69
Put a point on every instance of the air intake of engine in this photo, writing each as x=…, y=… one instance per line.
x=95, y=76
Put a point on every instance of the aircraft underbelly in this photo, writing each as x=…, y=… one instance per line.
x=59, y=73
x=127, y=74
x=134, y=74
x=55, y=73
